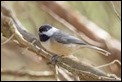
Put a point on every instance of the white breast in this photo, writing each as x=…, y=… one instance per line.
x=58, y=48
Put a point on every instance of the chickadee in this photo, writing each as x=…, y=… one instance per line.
x=61, y=43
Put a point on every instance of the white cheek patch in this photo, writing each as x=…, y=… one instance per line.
x=50, y=32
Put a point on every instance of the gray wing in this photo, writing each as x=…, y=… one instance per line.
x=65, y=38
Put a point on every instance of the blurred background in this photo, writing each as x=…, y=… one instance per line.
x=65, y=15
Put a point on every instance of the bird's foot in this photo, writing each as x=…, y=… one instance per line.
x=54, y=59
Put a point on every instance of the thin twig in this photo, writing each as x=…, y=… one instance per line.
x=101, y=66
x=7, y=40
x=115, y=10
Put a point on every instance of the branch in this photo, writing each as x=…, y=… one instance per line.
x=25, y=39
x=28, y=73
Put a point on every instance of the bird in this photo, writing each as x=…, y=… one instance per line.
x=62, y=43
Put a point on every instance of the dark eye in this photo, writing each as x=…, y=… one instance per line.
x=43, y=37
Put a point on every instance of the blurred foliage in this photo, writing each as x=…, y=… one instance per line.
x=32, y=16
x=102, y=13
